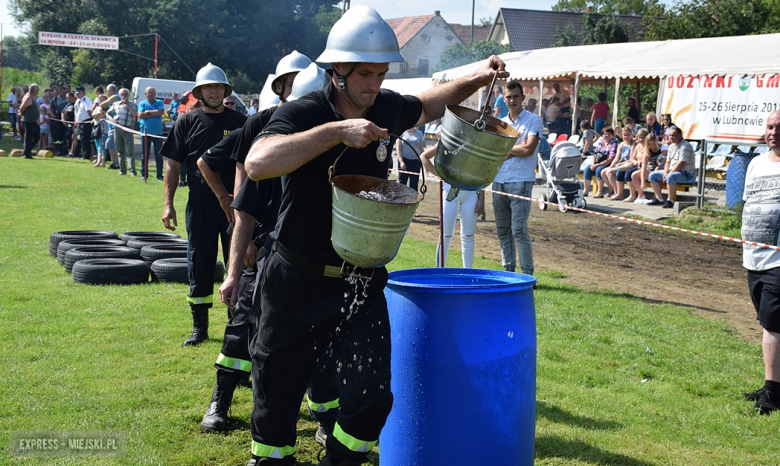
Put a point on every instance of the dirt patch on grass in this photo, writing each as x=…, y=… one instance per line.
x=599, y=253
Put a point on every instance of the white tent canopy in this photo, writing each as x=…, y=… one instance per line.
x=410, y=86
x=640, y=61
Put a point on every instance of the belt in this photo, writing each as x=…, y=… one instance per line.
x=333, y=271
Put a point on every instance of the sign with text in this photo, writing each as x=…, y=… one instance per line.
x=78, y=40
x=731, y=109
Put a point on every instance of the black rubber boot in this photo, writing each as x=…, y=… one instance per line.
x=200, y=325
x=216, y=414
x=328, y=462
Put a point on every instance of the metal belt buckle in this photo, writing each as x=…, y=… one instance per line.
x=344, y=272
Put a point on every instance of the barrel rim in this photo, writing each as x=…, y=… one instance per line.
x=503, y=281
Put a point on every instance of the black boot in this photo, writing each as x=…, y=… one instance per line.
x=216, y=415
x=328, y=462
x=200, y=325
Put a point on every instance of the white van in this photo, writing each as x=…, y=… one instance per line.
x=166, y=88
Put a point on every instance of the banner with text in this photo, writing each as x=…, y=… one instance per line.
x=78, y=40
x=729, y=109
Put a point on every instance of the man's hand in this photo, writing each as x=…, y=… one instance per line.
x=484, y=74
x=480, y=206
x=228, y=292
x=358, y=133
x=225, y=202
x=169, y=217
x=251, y=255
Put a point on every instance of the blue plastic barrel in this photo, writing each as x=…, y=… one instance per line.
x=463, y=368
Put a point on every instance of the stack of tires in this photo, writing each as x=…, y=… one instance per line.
x=103, y=257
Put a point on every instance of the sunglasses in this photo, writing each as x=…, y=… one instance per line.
x=230, y=103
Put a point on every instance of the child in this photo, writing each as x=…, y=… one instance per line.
x=43, y=123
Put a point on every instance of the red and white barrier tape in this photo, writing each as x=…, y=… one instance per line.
x=616, y=217
x=123, y=128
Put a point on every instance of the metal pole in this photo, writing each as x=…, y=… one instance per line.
x=472, y=20
x=541, y=97
x=575, y=113
x=702, y=173
x=155, y=55
x=617, y=99
x=441, y=223
x=144, y=166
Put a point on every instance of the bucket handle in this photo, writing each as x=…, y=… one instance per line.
x=480, y=124
x=423, y=188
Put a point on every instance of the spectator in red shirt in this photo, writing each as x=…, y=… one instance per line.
x=599, y=118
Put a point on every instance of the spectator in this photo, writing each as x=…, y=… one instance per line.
x=647, y=164
x=83, y=111
x=501, y=110
x=586, y=138
x=625, y=155
x=516, y=176
x=43, y=124
x=174, y=111
x=57, y=128
x=667, y=128
x=633, y=112
x=52, y=89
x=469, y=203
x=652, y=124
x=545, y=104
x=589, y=105
x=123, y=115
x=110, y=142
x=627, y=175
x=13, y=111
x=603, y=155
x=407, y=159
x=760, y=225
x=150, y=116
x=98, y=127
x=531, y=106
x=29, y=113
x=551, y=113
x=564, y=98
x=679, y=168
x=69, y=117
x=254, y=107
x=630, y=123
x=599, y=117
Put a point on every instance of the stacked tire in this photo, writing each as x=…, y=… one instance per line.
x=103, y=257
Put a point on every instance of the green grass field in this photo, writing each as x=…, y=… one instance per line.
x=620, y=381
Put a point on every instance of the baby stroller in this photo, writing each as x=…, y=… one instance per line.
x=560, y=174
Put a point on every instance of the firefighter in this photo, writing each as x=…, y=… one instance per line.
x=256, y=207
x=304, y=291
x=193, y=133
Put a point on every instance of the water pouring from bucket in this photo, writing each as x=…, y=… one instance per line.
x=472, y=147
x=370, y=216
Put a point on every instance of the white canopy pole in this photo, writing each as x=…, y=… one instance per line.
x=575, y=113
x=541, y=97
x=617, y=99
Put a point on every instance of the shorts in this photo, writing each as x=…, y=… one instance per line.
x=625, y=176
x=44, y=130
x=674, y=178
x=110, y=138
x=13, y=119
x=765, y=292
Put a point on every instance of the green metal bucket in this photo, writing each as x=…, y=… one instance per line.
x=367, y=232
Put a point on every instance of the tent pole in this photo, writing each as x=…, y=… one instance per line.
x=541, y=97
x=617, y=99
x=660, y=98
x=575, y=113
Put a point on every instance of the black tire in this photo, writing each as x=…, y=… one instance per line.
x=170, y=270
x=141, y=235
x=98, y=252
x=175, y=270
x=153, y=252
x=140, y=243
x=111, y=271
x=69, y=244
x=57, y=236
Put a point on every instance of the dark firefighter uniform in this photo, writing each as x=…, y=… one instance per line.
x=304, y=296
x=194, y=133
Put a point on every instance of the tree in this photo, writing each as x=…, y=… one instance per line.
x=607, y=30
x=712, y=18
x=16, y=54
x=461, y=54
x=607, y=7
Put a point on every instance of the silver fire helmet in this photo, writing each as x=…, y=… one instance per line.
x=313, y=78
x=361, y=36
x=292, y=63
x=210, y=74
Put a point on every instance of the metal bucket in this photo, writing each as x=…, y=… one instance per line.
x=368, y=232
x=470, y=154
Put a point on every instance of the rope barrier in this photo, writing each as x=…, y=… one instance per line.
x=616, y=217
x=123, y=128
